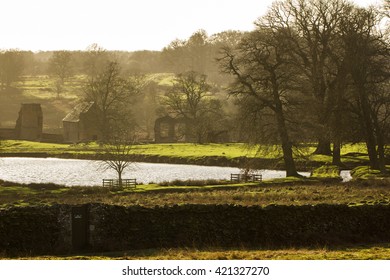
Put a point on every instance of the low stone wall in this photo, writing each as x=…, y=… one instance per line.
x=48, y=230
x=35, y=230
x=235, y=226
x=8, y=133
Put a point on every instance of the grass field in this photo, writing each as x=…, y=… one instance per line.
x=275, y=192
x=356, y=152
x=364, y=252
x=44, y=87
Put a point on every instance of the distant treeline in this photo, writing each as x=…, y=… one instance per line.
x=197, y=53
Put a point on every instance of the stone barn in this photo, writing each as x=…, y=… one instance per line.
x=29, y=124
x=81, y=124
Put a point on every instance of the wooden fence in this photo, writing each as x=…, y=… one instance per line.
x=246, y=177
x=128, y=183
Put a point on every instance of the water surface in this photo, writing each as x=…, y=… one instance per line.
x=74, y=172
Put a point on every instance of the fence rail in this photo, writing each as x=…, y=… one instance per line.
x=129, y=183
x=246, y=177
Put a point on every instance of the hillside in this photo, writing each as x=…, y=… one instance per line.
x=42, y=89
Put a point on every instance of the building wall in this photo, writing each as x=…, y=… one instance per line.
x=29, y=124
x=71, y=132
x=81, y=131
x=89, y=126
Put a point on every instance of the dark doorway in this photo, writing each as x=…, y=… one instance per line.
x=79, y=227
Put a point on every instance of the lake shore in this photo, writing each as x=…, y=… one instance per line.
x=256, y=163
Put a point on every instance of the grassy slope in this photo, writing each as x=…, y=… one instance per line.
x=42, y=89
x=365, y=172
x=54, y=109
x=264, y=194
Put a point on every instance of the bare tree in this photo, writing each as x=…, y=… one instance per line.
x=59, y=67
x=190, y=99
x=310, y=29
x=116, y=156
x=112, y=95
x=95, y=60
x=264, y=82
x=368, y=55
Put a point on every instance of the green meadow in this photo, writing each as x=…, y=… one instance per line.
x=350, y=153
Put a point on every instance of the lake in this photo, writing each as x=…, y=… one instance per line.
x=74, y=172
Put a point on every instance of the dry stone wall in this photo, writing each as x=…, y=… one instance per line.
x=48, y=230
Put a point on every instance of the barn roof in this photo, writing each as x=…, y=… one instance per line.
x=74, y=115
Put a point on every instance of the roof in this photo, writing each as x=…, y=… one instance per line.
x=74, y=115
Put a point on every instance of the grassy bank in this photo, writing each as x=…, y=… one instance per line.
x=229, y=154
x=284, y=192
x=229, y=150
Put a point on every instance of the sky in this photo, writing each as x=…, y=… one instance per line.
x=121, y=24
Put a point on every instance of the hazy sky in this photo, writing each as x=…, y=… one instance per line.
x=120, y=24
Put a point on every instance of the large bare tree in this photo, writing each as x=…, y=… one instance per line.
x=368, y=56
x=117, y=156
x=264, y=82
x=310, y=29
x=112, y=94
x=190, y=98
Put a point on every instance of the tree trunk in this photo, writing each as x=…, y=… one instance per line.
x=324, y=114
x=289, y=160
x=368, y=128
x=381, y=155
x=120, y=179
x=337, y=94
x=336, y=159
x=104, y=129
x=323, y=147
x=372, y=154
x=283, y=134
x=381, y=147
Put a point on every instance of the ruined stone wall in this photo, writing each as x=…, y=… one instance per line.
x=48, y=230
x=29, y=124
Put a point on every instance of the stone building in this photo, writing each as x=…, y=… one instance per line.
x=173, y=130
x=170, y=130
x=29, y=124
x=81, y=124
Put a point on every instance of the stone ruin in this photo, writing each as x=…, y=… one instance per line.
x=29, y=124
x=170, y=130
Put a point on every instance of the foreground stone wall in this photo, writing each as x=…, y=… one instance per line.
x=235, y=226
x=43, y=230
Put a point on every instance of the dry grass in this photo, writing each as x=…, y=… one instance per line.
x=354, y=193
x=374, y=252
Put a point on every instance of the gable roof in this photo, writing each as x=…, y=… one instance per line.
x=74, y=115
